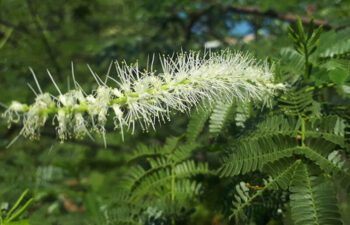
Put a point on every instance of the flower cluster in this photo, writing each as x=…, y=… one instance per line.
x=146, y=98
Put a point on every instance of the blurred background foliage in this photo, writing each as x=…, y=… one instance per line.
x=71, y=181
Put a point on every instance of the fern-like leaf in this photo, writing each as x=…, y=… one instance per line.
x=324, y=155
x=313, y=200
x=196, y=123
x=244, y=197
x=253, y=155
x=334, y=44
x=330, y=128
x=300, y=103
x=219, y=117
x=274, y=169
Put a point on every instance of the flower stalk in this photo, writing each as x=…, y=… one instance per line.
x=144, y=97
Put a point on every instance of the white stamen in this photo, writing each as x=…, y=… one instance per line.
x=144, y=97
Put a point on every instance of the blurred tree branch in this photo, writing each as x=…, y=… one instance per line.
x=292, y=18
x=195, y=16
x=248, y=10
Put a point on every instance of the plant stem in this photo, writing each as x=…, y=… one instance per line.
x=306, y=55
x=172, y=185
x=302, y=132
x=172, y=191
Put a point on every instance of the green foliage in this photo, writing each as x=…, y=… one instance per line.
x=197, y=123
x=313, y=199
x=299, y=103
x=13, y=215
x=297, y=136
x=161, y=182
x=283, y=164
x=305, y=42
x=335, y=44
x=282, y=174
x=253, y=155
x=219, y=117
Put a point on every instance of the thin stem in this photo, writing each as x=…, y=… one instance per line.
x=172, y=183
x=302, y=131
x=82, y=107
x=173, y=177
x=307, y=66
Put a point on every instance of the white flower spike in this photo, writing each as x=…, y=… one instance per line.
x=187, y=80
